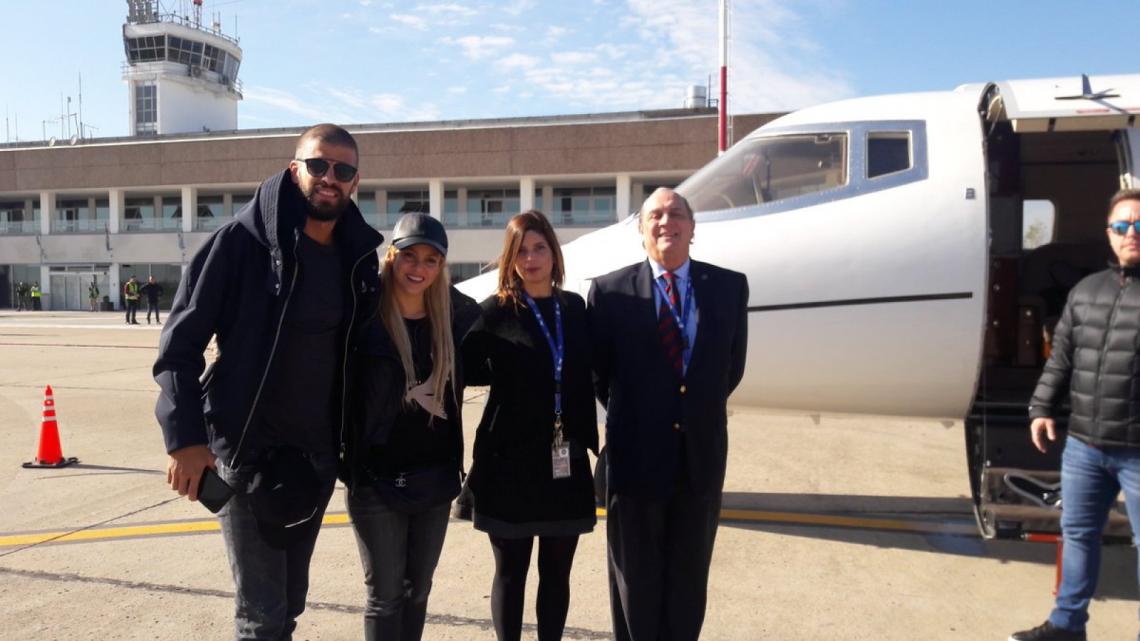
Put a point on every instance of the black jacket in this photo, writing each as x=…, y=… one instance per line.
x=376, y=387
x=650, y=409
x=237, y=288
x=152, y=291
x=511, y=475
x=1096, y=352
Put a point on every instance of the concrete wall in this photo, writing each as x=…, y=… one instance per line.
x=680, y=144
x=187, y=105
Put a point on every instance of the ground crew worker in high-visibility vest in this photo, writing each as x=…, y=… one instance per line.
x=131, y=294
x=93, y=295
x=36, y=305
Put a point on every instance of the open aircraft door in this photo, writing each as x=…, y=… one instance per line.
x=1128, y=147
x=1056, y=151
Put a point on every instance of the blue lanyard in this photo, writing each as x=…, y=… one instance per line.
x=682, y=318
x=557, y=350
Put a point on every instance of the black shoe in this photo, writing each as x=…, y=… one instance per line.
x=1047, y=632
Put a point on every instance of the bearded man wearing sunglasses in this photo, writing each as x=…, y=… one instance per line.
x=284, y=288
x=1095, y=354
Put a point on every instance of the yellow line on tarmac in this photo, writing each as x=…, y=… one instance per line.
x=341, y=518
x=132, y=531
x=897, y=525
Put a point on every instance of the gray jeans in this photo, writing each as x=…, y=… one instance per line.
x=399, y=552
x=270, y=564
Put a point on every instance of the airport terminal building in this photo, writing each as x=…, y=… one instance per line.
x=105, y=209
x=81, y=210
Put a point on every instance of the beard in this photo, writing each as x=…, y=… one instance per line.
x=323, y=211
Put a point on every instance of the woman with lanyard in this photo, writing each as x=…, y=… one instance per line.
x=405, y=447
x=530, y=476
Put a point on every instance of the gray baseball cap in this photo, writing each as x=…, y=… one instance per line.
x=419, y=229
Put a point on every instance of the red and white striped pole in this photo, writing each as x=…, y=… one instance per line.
x=722, y=116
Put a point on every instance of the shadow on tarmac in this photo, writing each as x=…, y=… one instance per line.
x=100, y=470
x=1118, y=575
x=434, y=619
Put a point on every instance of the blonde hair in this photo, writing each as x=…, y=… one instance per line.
x=437, y=300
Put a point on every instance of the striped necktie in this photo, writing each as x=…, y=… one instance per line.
x=667, y=329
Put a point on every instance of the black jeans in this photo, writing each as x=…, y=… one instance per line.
x=399, y=553
x=152, y=307
x=132, y=311
x=270, y=564
x=512, y=561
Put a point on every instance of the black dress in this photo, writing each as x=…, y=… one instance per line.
x=512, y=480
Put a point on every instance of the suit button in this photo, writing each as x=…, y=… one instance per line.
x=676, y=426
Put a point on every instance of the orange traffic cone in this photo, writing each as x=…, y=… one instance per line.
x=50, y=454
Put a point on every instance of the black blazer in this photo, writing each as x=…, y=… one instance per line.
x=650, y=409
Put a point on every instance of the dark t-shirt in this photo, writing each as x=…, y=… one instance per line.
x=296, y=406
x=414, y=444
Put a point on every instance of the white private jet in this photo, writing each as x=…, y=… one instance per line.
x=907, y=256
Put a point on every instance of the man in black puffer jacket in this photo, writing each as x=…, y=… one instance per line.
x=284, y=288
x=1095, y=351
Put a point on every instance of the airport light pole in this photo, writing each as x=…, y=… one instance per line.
x=722, y=105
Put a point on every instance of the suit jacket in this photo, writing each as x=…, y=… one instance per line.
x=650, y=409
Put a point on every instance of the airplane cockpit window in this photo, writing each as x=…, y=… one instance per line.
x=887, y=152
x=783, y=169
x=764, y=170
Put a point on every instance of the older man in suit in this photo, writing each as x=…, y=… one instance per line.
x=670, y=336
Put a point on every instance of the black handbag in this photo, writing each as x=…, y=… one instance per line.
x=418, y=490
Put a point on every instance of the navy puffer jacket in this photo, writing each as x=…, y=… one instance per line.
x=1095, y=350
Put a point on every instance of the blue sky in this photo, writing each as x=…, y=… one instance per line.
x=354, y=61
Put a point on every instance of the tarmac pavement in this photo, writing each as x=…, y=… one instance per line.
x=836, y=528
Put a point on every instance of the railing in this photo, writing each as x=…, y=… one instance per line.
x=210, y=223
x=152, y=224
x=583, y=218
x=81, y=226
x=185, y=21
x=18, y=227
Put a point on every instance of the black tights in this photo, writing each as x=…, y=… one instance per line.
x=512, y=560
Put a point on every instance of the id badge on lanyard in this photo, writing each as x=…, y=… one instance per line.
x=559, y=448
x=560, y=452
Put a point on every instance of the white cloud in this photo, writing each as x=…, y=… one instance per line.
x=555, y=32
x=573, y=57
x=448, y=8
x=351, y=98
x=310, y=110
x=517, y=61
x=774, y=63
x=516, y=7
x=502, y=89
x=479, y=47
x=459, y=91
x=415, y=22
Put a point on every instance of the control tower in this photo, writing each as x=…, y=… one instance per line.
x=183, y=77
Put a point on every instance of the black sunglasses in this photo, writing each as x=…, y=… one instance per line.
x=318, y=166
x=1120, y=227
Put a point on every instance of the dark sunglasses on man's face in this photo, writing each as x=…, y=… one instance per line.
x=318, y=166
x=1120, y=227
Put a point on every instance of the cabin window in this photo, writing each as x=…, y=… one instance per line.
x=888, y=152
x=1037, y=218
x=769, y=169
